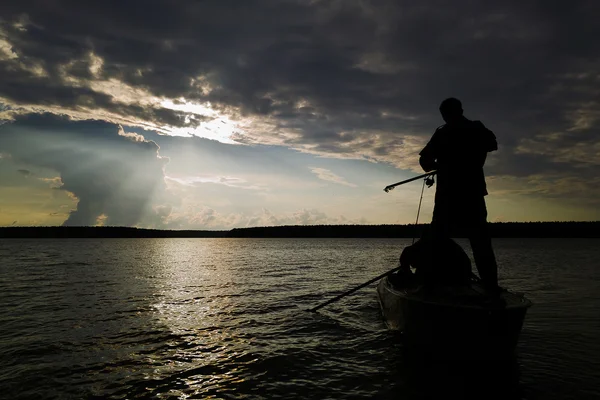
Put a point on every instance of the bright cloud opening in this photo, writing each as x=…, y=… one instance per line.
x=214, y=126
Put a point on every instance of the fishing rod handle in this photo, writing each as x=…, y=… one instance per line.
x=390, y=187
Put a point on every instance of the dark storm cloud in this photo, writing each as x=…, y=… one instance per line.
x=525, y=68
x=112, y=175
x=25, y=87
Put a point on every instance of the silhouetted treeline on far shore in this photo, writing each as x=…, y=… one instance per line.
x=100, y=232
x=497, y=229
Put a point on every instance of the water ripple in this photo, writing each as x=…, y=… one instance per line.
x=226, y=318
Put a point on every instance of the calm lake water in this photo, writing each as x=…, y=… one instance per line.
x=226, y=318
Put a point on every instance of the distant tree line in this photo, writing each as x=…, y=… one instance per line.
x=498, y=229
x=100, y=232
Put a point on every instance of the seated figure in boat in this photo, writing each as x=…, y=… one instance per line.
x=441, y=262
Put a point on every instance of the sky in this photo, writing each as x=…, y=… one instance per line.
x=217, y=114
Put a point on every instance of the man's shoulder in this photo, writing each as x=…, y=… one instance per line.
x=484, y=136
x=477, y=123
x=436, y=136
x=439, y=130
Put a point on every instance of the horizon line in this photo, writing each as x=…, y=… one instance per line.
x=272, y=226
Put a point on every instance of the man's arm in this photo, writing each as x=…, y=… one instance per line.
x=428, y=159
x=488, y=139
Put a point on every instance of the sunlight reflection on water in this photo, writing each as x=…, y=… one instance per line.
x=195, y=318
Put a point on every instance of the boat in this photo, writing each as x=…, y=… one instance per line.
x=460, y=320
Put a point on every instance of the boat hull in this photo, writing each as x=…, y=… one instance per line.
x=454, y=320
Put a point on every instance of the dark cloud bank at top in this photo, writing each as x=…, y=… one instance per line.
x=347, y=77
x=527, y=67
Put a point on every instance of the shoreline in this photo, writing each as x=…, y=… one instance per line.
x=574, y=229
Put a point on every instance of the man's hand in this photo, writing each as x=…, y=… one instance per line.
x=429, y=181
x=428, y=164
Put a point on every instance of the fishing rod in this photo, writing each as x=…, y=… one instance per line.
x=429, y=182
x=391, y=187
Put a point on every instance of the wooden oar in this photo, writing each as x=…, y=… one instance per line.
x=390, y=187
x=336, y=298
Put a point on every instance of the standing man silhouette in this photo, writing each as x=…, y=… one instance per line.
x=457, y=150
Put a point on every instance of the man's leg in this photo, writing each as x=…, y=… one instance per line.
x=481, y=244
x=440, y=223
x=441, y=230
